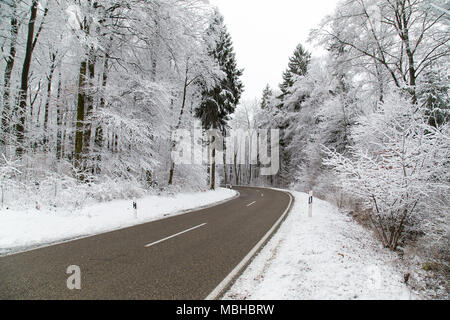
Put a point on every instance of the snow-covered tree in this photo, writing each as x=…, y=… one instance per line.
x=297, y=66
x=267, y=96
x=398, y=167
x=402, y=38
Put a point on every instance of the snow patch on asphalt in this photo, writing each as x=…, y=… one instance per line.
x=328, y=256
x=24, y=229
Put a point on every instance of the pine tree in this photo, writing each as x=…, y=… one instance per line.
x=298, y=66
x=266, y=97
x=220, y=101
x=433, y=95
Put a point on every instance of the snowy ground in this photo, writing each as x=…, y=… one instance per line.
x=328, y=256
x=21, y=230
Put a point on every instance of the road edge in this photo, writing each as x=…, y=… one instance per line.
x=229, y=280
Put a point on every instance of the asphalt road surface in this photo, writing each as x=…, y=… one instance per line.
x=181, y=257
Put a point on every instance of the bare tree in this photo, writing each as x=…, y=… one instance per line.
x=403, y=36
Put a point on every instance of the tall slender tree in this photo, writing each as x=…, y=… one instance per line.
x=10, y=59
x=220, y=101
x=31, y=41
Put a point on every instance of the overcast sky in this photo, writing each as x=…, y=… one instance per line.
x=265, y=34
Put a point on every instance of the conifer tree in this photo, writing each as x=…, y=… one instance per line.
x=298, y=66
x=220, y=101
x=267, y=95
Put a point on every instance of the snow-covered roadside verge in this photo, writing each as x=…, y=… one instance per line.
x=328, y=256
x=25, y=229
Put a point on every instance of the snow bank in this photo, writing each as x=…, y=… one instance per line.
x=328, y=256
x=21, y=230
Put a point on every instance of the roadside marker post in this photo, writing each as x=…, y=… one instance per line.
x=310, y=201
x=135, y=208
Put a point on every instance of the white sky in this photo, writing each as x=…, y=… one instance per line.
x=265, y=34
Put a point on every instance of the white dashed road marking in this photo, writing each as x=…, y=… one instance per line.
x=176, y=234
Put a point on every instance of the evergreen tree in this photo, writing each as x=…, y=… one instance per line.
x=434, y=95
x=298, y=66
x=266, y=97
x=220, y=101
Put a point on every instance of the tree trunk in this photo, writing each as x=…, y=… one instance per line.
x=412, y=76
x=65, y=119
x=213, y=158
x=80, y=118
x=98, y=140
x=208, y=167
x=236, y=174
x=59, y=116
x=116, y=143
x=6, y=113
x=225, y=176
x=180, y=117
x=49, y=93
x=402, y=20
x=88, y=112
x=172, y=170
x=22, y=108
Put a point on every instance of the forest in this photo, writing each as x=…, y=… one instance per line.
x=92, y=91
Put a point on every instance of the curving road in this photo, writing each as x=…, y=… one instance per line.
x=181, y=257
